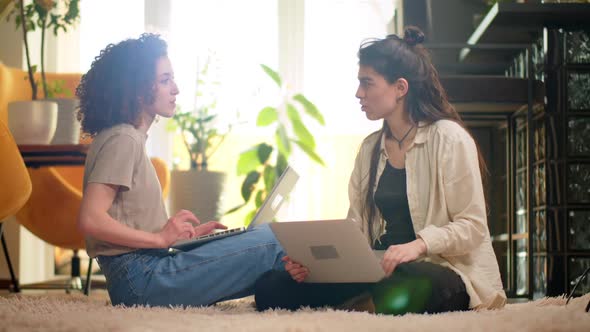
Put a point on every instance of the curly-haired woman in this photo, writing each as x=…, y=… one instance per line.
x=122, y=213
x=415, y=191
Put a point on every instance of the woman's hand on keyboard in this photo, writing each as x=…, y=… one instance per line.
x=180, y=226
x=208, y=228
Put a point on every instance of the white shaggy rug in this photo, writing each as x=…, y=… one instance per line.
x=75, y=312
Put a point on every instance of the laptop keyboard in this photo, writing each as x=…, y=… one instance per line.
x=197, y=241
x=218, y=233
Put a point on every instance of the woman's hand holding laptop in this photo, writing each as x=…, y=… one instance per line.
x=395, y=255
x=297, y=271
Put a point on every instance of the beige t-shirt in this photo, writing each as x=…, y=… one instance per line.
x=447, y=205
x=117, y=156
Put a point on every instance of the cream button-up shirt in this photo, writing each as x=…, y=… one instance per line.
x=447, y=205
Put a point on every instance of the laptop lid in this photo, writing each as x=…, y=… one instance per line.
x=265, y=213
x=275, y=198
x=335, y=251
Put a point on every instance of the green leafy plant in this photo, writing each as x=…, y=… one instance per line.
x=265, y=162
x=199, y=128
x=43, y=14
x=57, y=88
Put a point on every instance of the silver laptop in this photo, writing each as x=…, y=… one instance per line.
x=334, y=251
x=265, y=213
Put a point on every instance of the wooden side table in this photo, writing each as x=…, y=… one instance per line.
x=54, y=155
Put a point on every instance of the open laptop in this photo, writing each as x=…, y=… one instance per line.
x=265, y=213
x=334, y=251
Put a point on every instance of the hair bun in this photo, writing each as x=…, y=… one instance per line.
x=413, y=35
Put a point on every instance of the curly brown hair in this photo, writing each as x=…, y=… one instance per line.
x=120, y=77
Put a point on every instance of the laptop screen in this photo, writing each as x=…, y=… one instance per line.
x=275, y=199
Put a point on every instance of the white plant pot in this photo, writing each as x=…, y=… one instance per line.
x=197, y=191
x=33, y=121
x=68, y=126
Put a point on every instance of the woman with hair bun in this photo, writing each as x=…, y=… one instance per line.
x=415, y=191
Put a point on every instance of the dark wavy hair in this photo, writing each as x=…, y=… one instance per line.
x=426, y=100
x=121, y=76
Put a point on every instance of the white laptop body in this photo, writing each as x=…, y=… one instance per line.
x=265, y=213
x=334, y=251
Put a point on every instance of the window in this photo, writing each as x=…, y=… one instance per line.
x=241, y=34
x=110, y=21
x=330, y=81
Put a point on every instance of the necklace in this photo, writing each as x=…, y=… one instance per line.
x=400, y=141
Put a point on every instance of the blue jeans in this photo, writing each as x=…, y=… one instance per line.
x=216, y=271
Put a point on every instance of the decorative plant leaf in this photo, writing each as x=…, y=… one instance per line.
x=282, y=140
x=266, y=116
x=283, y=137
x=273, y=74
x=281, y=166
x=299, y=128
x=249, y=217
x=310, y=152
x=235, y=208
x=270, y=176
x=56, y=88
x=248, y=161
x=249, y=184
x=207, y=118
x=264, y=150
x=259, y=198
x=43, y=15
x=310, y=108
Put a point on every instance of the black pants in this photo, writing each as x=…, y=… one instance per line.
x=417, y=287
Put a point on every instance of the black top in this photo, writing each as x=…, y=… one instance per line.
x=392, y=200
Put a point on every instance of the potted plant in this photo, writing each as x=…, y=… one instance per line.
x=263, y=164
x=54, y=15
x=44, y=14
x=199, y=189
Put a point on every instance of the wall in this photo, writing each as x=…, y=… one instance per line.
x=10, y=52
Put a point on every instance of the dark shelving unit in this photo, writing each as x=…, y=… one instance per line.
x=547, y=242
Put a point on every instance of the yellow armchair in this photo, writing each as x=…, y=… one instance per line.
x=52, y=210
x=16, y=187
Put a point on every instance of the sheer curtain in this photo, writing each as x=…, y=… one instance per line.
x=107, y=21
x=331, y=57
x=330, y=81
x=240, y=34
